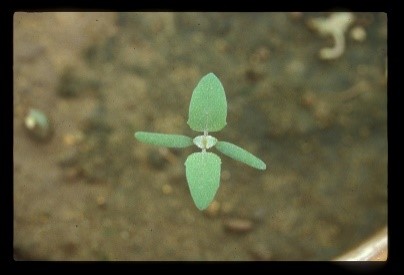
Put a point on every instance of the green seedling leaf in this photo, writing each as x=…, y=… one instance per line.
x=208, y=107
x=166, y=140
x=203, y=175
x=238, y=153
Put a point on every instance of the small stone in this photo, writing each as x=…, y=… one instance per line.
x=68, y=139
x=358, y=34
x=101, y=202
x=167, y=189
x=238, y=225
x=213, y=210
x=72, y=139
x=38, y=125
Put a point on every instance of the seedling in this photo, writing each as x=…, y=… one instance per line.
x=207, y=113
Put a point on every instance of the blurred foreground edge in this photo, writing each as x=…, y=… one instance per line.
x=374, y=249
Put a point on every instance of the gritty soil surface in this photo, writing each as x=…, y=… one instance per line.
x=90, y=191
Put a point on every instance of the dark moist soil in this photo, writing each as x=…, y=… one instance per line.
x=90, y=191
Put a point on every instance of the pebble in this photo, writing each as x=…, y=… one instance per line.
x=38, y=125
x=167, y=189
x=101, y=201
x=238, y=225
x=358, y=34
x=72, y=138
x=213, y=210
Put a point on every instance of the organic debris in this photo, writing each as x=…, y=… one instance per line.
x=336, y=26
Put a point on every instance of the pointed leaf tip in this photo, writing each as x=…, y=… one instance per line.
x=208, y=106
x=238, y=153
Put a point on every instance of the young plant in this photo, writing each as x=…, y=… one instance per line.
x=207, y=113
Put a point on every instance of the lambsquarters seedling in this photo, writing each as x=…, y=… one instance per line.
x=207, y=113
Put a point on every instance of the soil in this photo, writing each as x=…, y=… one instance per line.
x=90, y=191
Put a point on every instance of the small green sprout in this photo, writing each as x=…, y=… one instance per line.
x=207, y=113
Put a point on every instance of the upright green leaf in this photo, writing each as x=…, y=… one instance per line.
x=208, y=107
x=166, y=140
x=203, y=175
x=238, y=153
